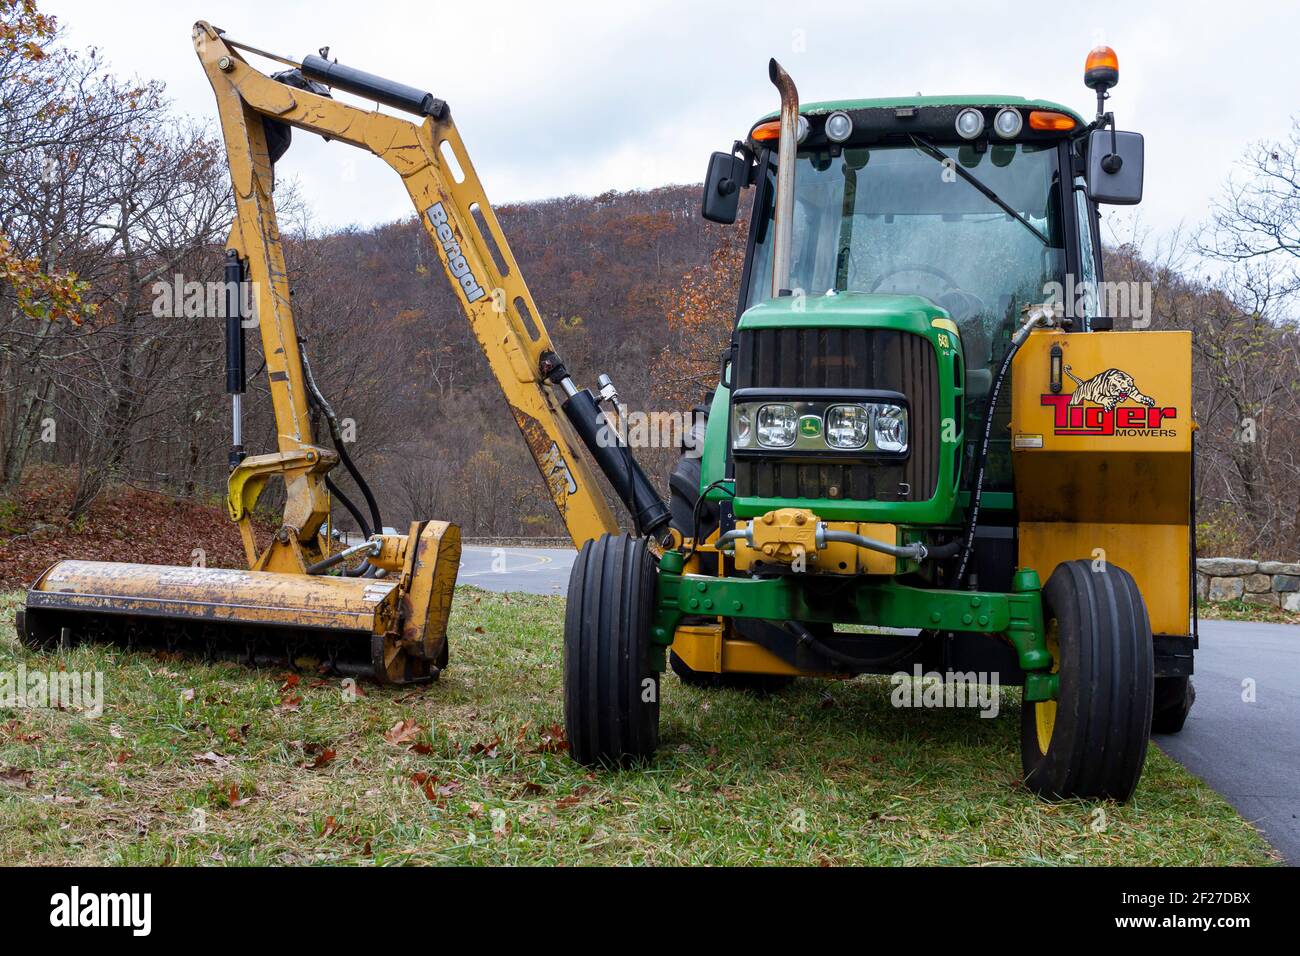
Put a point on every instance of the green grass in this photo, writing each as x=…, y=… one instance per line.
x=826, y=773
x=1242, y=611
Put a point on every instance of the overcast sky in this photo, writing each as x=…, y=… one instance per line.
x=554, y=98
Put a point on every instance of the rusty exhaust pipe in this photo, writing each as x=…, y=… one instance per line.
x=785, y=160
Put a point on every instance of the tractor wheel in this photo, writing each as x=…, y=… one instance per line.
x=684, y=485
x=1174, y=697
x=1092, y=740
x=611, y=695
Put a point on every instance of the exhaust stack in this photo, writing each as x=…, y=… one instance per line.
x=785, y=159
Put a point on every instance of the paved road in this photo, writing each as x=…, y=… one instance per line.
x=1248, y=751
x=532, y=570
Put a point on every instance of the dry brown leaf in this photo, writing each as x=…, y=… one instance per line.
x=324, y=757
x=402, y=732
x=553, y=741
x=15, y=777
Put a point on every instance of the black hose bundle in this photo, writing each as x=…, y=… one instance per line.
x=977, y=486
x=376, y=524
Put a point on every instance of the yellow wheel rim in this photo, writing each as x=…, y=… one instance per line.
x=1045, y=710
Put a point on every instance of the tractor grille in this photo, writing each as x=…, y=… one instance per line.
x=844, y=358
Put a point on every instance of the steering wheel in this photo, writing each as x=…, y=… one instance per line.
x=915, y=267
x=961, y=305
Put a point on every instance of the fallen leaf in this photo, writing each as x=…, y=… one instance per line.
x=213, y=759
x=15, y=777
x=425, y=783
x=422, y=749
x=402, y=732
x=187, y=693
x=487, y=749
x=324, y=758
x=331, y=826
x=553, y=741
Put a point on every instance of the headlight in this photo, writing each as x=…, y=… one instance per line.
x=798, y=427
x=1008, y=122
x=848, y=426
x=776, y=426
x=743, y=427
x=802, y=129
x=890, y=428
x=970, y=123
x=839, y=126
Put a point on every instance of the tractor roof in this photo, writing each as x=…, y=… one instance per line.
x=903, y=102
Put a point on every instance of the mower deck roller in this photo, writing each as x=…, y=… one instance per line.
x=391, y=630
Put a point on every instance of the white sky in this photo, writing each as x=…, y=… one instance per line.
x=554, y=98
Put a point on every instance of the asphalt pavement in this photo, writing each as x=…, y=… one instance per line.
x=531, y=570
x=1242, y=736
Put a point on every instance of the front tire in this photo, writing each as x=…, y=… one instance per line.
x=611, y=694
x=1091, y=742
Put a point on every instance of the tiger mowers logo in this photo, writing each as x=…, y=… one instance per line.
x=1109, y=403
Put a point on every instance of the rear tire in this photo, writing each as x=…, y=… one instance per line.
x=1174, y=697
x=1092, y=740
x=611, y=695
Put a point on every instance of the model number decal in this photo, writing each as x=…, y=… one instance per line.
x=456, y=260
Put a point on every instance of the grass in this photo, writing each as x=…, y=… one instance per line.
x=826, y=773
x=1242, y=611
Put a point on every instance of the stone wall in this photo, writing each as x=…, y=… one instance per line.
x=1270, y=583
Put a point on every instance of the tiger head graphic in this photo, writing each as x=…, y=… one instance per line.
x=1107, y=389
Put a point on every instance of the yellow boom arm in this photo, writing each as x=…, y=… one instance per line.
x=450, y=202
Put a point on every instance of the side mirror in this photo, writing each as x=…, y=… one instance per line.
x=1115, y=167
x=727, y=176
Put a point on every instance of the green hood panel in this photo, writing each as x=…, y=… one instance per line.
x=875, y=310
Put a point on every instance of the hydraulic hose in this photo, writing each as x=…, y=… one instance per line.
x=806, y=636
x=1037, y=317
x=357, y=516
x=336, y=438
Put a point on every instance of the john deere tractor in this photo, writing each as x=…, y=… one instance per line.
x=932, y=418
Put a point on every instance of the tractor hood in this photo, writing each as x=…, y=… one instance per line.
x=874, y=310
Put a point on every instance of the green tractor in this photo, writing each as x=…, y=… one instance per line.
x=926, y=421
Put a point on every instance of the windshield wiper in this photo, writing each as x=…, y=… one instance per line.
x=933, y=151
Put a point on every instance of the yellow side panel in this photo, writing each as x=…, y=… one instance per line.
x=1155, y=554
x=1103, y=464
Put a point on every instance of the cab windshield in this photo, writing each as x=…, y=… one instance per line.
x=904, y=219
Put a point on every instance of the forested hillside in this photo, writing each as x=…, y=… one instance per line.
x=104, y=194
